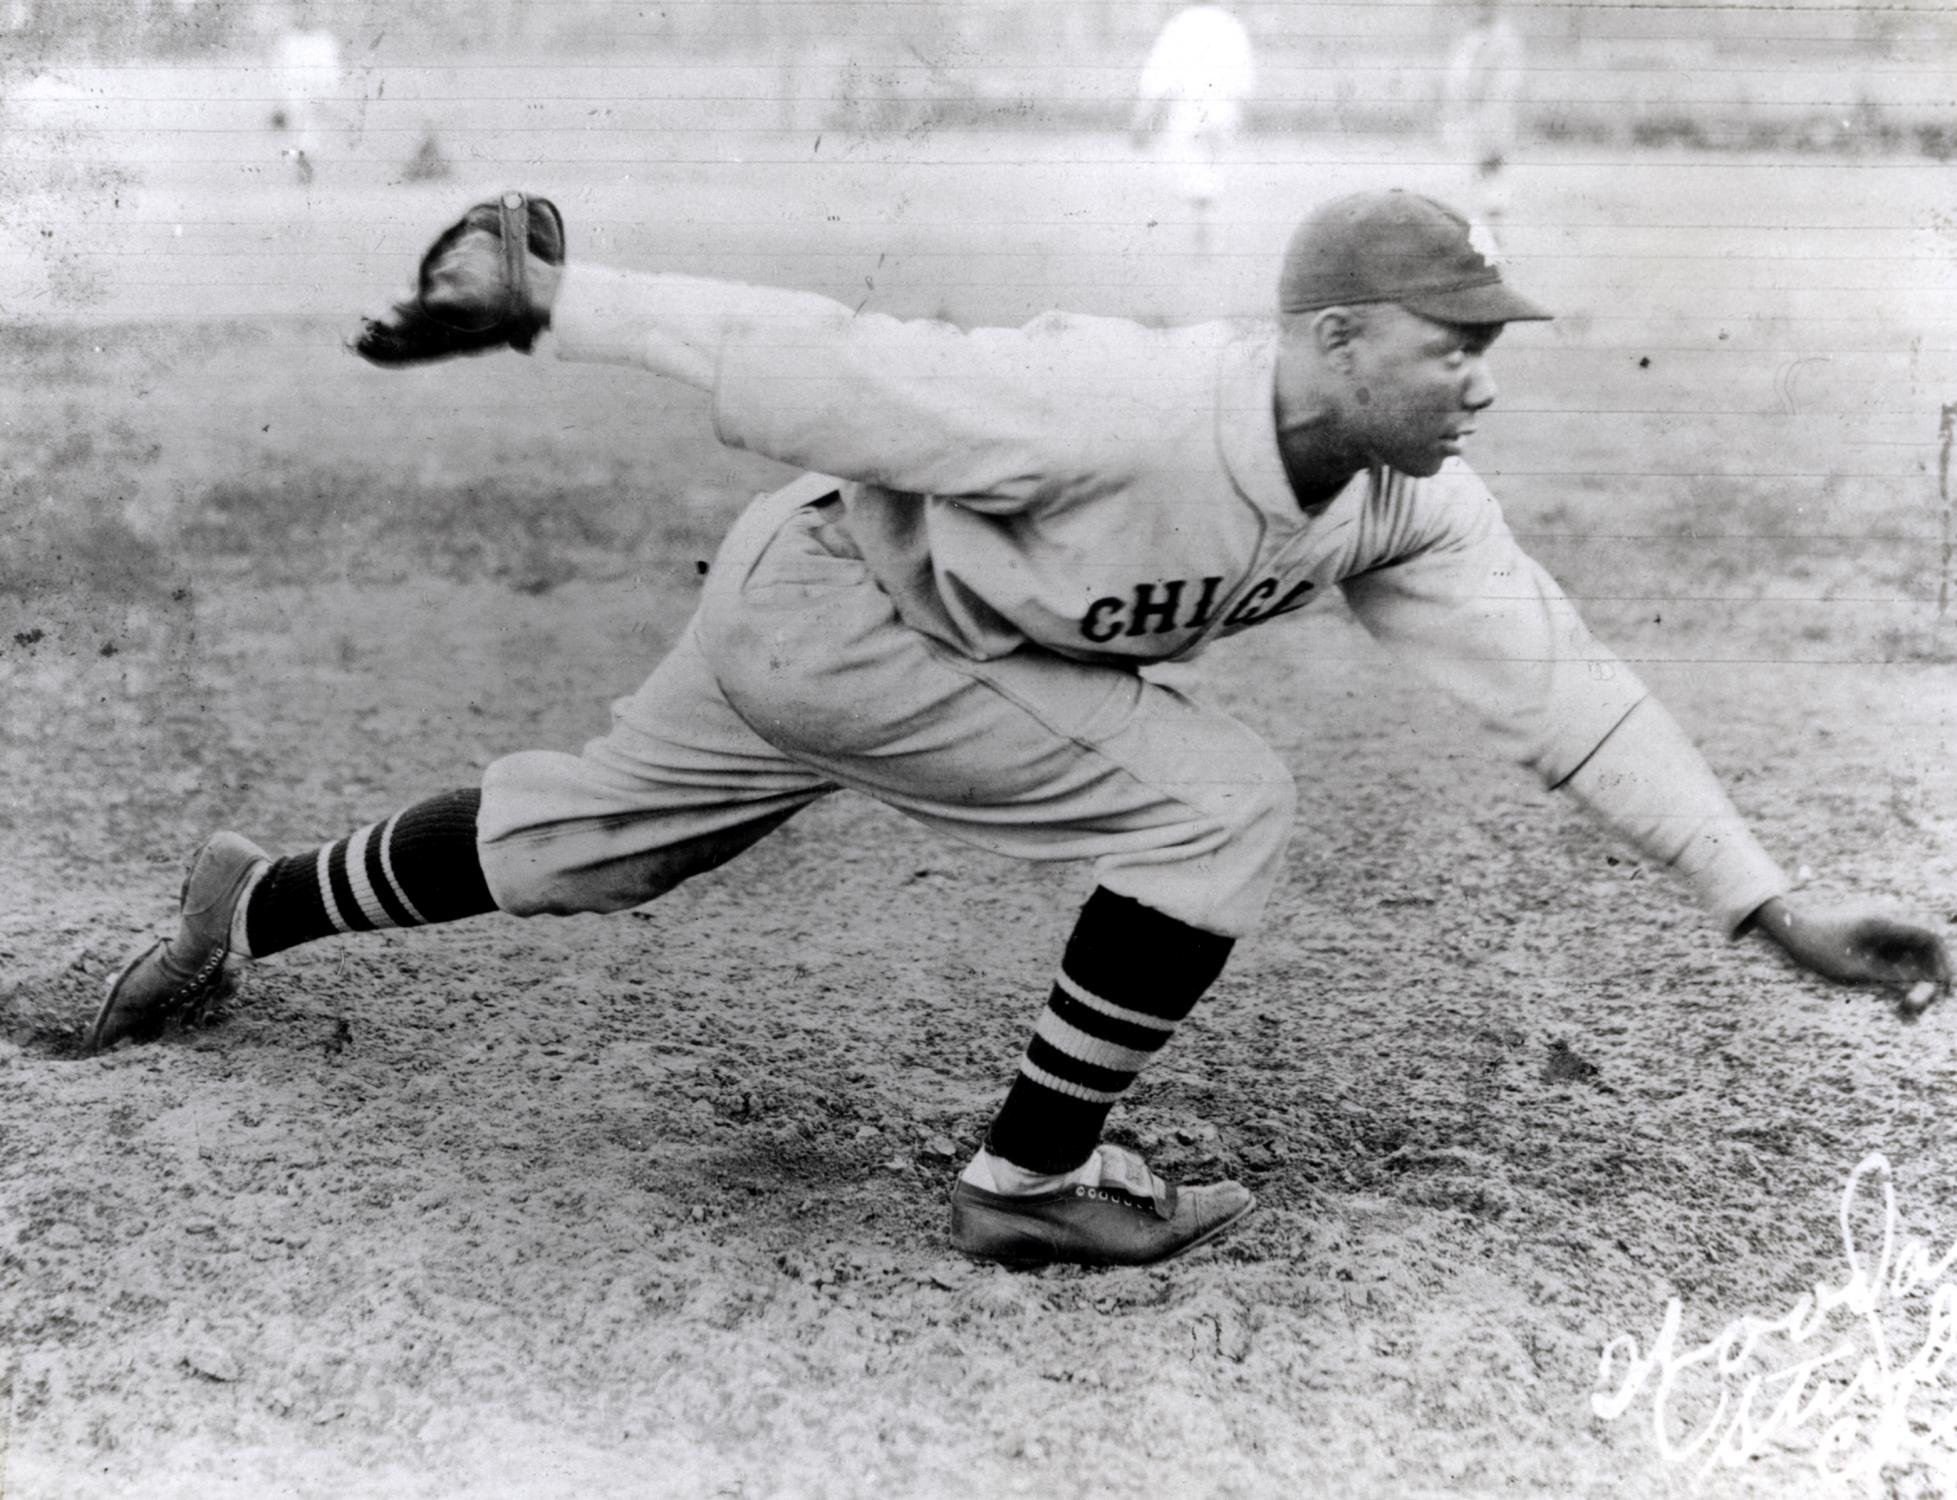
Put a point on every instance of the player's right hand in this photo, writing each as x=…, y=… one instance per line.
x=1858, y=945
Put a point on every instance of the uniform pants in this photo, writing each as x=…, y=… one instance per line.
x=796, y=677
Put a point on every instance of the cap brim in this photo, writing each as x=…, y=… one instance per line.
x=1492, y=303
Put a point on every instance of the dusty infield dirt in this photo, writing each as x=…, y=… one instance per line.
x=654, y=1205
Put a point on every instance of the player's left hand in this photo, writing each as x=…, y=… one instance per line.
x=1855, y=945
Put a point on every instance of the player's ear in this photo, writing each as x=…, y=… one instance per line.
x=1334, y=330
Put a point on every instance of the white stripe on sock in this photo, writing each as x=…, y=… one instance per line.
x=387, y=869
x=323, y=866
x=1108, y=1008
x=1085, y=1047
x=1040, y=1075
x=363, y=889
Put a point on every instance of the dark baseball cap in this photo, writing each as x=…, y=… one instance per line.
x=1396, y=247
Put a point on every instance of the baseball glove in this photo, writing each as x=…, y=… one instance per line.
x=472, y=291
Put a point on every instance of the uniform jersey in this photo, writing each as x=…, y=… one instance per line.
x=1114, y=494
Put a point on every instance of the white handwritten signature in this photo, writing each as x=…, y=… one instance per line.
x=1828, y=1376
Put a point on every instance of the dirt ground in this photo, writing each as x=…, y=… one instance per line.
x=655, y=1204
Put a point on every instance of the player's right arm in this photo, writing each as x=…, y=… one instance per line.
x=1457, y=596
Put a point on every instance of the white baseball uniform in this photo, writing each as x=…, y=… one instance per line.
x=1199, y=73
x=310, y=79
x=1480, y=105
x=950, y=612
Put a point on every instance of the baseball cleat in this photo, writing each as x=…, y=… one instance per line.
x=179, y=978
x=1131, y=1218
x=472, y=293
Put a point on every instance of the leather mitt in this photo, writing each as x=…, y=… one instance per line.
x=472, y=292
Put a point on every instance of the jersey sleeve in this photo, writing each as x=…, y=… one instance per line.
x=1444, y=585
x=1465, y=605
x=1649, y=782
x=1003, y=420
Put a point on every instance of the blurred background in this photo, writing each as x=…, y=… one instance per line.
x=1811, y=74
x=109, y=107
x=1745, y=216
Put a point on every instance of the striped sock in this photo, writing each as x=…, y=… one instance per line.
x=417, y=868
x=1128, y=976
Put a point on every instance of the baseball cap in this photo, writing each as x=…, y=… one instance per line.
x=1396, y=247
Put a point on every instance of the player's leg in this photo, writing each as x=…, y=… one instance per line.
x=1489, y=203
x=1184, y=812
x=413, y=869
x=237, y=903
x=678, y=786
x=1043, y=1186
x=1185, y=818
x=1202, y=178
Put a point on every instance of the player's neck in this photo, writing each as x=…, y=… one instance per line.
x=1319, y=457
x=1317, y=460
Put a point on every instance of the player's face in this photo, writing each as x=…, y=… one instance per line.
x=1415, y=387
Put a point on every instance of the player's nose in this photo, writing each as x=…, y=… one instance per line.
x=1480, y=391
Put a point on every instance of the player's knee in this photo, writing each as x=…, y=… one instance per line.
x=1261, y=809
x=523, y=797
x=527, y=790
x=563, y=834
x=1226, y=872
x=1260, y=798
x=541, y=811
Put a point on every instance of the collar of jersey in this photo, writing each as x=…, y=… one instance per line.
x=1246, y=431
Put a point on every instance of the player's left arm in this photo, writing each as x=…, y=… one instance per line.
x=1457, y=597
x=1002, y=419
x=671, y=324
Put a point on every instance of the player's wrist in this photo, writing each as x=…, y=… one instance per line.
x=1772, y=918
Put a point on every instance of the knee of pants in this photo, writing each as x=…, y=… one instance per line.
x=554, y=839
x=529, y=800
x=527, y=883
x=1257, y=800
x=560, y=834
x=1220, y=878
x=1259, y=810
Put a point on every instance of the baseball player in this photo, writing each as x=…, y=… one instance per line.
x=954, y=610
x=1481, y=96
x=308, y=68
x=1190, y=100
